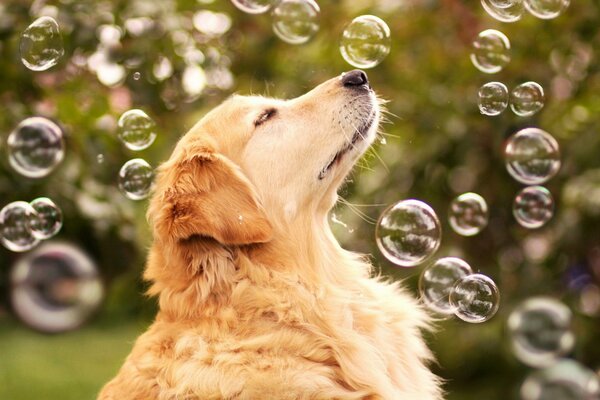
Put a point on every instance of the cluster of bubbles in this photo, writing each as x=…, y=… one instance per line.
x=365, y=41
x=526, y=99
x=513, y=10
x=408, y=233
x=541, y=336
x=137, y=131
x=449, y=286
x=23, y=225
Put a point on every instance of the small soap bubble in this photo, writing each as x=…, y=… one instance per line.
x=15, y=232
x=408, y=233
x=48, y=219
x=136, y=129
x=546, y=9
x=468, y=214
x=136, y=76
x=135, y=179
x=35, y=147
x=41, y=45
x=504, y=10
x=565, y=380
x=491, y=51
x=532, y=156
x=254, y=6
x=527, y=99
x=493, y=98
x=366, y=41
x=100, y=158
x=533, y=207
x=437, y=282
x=296, y=21
x=475, y=298
x=540, y=331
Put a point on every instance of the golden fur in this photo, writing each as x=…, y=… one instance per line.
x=257, y=299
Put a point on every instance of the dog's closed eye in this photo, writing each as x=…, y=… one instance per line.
x=265, y=116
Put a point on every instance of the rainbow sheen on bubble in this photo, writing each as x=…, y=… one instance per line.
x=254, y=6
x=491, y=51
x=504, y=10
x=48, y=219
x=546, y=9
x=15, y=232
x=540, y=331
x=296, y=21
x=527, y=99
x=437, y=282
x=408, y=233
x=468, y=214
x=475, y=298
x=136, y=130
x=136, y=178
x=532, y=156
x=492, y=98
x=366, y=41
x=35, y=147
x=533, y=207
x=565, y=380
x=41, y=45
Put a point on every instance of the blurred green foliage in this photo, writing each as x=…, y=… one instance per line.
x=437, y=146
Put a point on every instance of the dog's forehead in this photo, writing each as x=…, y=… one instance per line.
x=239, y=102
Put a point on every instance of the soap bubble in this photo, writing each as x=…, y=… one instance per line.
x=493, y=98
x=527, y=99
x=437, y=282
x=296, y=21
x=532, y=156
x=475, y=298
x=135, y=179
x=35, y=147
x=15, y=233
x=540, y=330
x=254, y=6
x=504, y=10
x=41, y=45
x=565, y=380
x=137, y=130
x=468, y=214
x=490, y=51
x=408, y=233
x=48, y=219
x=366, y=41
x=533, y=207
x=546, y=9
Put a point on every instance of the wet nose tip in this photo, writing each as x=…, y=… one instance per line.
x=355, y=77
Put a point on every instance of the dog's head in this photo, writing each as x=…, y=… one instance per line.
x=253, y=162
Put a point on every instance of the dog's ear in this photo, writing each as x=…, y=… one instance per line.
x=200, y=193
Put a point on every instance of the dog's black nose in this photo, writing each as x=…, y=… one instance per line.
x=355, y=78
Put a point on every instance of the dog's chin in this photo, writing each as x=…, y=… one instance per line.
x=343, y=160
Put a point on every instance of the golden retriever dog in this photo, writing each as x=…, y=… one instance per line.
x=257, y=298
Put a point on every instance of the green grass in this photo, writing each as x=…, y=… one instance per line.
x=71, y=366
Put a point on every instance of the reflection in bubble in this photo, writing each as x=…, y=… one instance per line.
x=565, y=380
x=48, y=219
x=41, y=45
x=366, y=41
x=137, y=130
x=35, y=147
x=408, y=233
x=527, y=99
x=475, y=298
x=296, y=21
x=533, y=207
x=437, y=282
x=491, y=51
x=135, y=179
x=532, y=156
x=540, y=331
x=15, y=232
x=468, y=214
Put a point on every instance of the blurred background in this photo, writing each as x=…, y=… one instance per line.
x=176, y=59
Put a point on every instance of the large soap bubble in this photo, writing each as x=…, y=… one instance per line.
x=296, y=21
x=48, y=219
x=468, y=214
x=492, y=98
x=137, y=130
x=546, y=9
x=254, y=6
x=475, y=298
x=437, y=282
x=565, y=380
x=532, y=156
x=366, y=41
x=491, y=51
x=15, y=231
x=533, y=207
x=504, y=10
x=408, y=233
x=527, y=99
x=136, y=178
x=41, y=45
